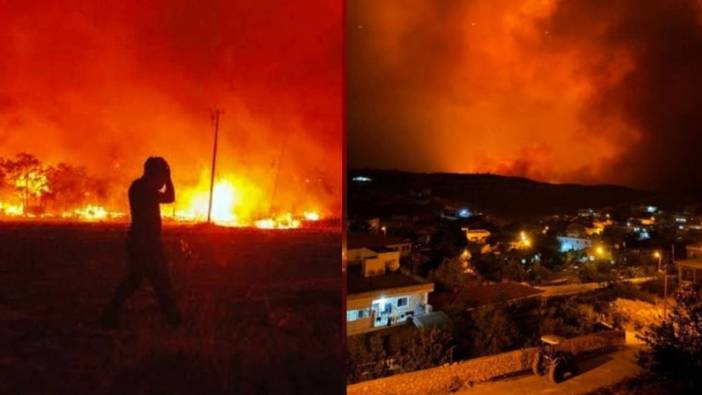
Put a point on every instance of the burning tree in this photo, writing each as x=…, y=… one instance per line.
x=71, y=187
x=27, y=176
x=65, y=188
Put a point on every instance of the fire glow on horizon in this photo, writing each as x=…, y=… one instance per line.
x=41, y=192
x=103, y=86
x=553, y=90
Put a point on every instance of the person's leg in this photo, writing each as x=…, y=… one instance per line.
x=129, y=284
x=160, y=280
x=110, y=316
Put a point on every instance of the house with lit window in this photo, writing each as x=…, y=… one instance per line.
x=379, y=298
x=568, y=243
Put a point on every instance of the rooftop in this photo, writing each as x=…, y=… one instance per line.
x=358, y=284
x=370, y=240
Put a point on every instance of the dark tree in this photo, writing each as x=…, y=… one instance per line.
x=675, y=345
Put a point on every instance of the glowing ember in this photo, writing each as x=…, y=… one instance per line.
x=11, y=210
x=311, y=216
x=285, y=221
x=92, y=212
x=265, y=223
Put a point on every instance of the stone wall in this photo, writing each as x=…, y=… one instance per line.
x=450, y=377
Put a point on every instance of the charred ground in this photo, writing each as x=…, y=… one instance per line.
x=261, y=313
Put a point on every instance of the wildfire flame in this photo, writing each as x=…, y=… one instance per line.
x=92, y=212
x=312, y=216
x=33, y=183
x=236, y=201
x=11, y=210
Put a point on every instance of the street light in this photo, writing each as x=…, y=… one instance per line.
x=664, y=272
x=657, y=255
x=524, y=239
x=599, y=250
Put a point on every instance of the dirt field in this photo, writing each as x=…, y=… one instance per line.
x=262, y=313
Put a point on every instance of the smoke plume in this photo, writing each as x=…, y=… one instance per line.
x=106, y=84
x=557, y=90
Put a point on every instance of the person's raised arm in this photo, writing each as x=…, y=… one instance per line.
x=168, y=196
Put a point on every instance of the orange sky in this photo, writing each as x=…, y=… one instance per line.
x=105, y=84
x=564, y=91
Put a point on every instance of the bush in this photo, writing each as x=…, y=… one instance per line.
x=405, y=349
x=597, y=271
x=675, y=345
x=566, y=317
x=657, y=287
x=492, y=330
x=626, y=290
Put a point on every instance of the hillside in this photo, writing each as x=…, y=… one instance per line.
x=391, y=191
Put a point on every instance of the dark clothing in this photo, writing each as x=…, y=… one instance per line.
x=146, y=261
x=145, y=210
x=145, y=251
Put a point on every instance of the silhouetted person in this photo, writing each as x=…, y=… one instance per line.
x=146, y=257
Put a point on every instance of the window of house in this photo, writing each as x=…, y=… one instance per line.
x=353, y=315
x=401, y=302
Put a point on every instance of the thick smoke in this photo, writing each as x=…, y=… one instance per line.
x=569, y=91
x=660, y=96
x=106, y=84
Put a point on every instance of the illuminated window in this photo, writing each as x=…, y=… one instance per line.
x=353, y=315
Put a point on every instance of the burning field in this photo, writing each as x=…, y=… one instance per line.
x=32, y=190
x=261, y=312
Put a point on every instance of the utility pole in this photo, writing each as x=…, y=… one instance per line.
x=665, y=281
x=277, y=172
x=215, y=120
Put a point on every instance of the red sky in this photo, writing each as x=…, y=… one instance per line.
x=556, y=90
x=105, y=84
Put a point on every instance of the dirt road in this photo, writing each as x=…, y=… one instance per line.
x=597, y=372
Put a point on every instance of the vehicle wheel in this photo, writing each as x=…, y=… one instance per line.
x=557, y=370
x=537, y=364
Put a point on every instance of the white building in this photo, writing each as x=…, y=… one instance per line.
x=375, y=301
x=569, y=243
x=357, y=242
x=379, y=294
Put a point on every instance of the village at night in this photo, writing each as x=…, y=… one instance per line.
x=524, y=197
x=456, y=279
